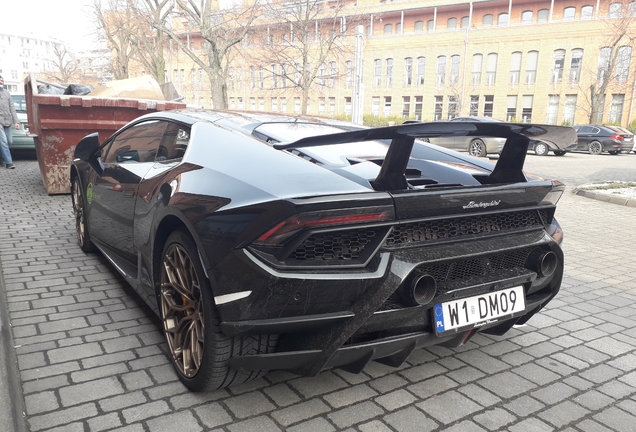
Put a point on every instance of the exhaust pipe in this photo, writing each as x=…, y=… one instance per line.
x=420, y=291
x=544, y=263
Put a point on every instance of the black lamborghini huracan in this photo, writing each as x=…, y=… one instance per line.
x=267, y=241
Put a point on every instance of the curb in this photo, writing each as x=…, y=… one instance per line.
x=11, y=398
x=605, y=197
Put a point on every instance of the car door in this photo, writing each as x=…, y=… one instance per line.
x=127, y=159
x=584, y=134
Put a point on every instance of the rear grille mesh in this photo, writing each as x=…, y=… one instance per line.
x=460, y=226
x=339, y=245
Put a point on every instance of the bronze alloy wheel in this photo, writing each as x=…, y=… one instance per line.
x=182, y=310
x=81, y=228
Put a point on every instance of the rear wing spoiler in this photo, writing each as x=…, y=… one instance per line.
x=509, y=167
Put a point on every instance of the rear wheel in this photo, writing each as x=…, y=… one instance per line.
x=595, y=148
x=477, y=148
x=541, y=149
x=559, y=153
x=199, y=351
x=79, y=211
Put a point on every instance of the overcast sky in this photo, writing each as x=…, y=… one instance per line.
x=68, y=20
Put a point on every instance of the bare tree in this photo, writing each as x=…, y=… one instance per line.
x=221, y=29
x=613, y=61
x=307, y=39
x=114, y=20
x=65, y=64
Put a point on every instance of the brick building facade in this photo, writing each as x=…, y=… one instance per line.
x=514, y=60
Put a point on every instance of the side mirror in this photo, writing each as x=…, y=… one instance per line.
x=87, y=147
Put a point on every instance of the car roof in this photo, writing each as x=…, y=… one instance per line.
x=476, y=119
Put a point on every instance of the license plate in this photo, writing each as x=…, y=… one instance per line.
x=478, y=310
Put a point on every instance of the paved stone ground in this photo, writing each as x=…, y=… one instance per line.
x=91, y=356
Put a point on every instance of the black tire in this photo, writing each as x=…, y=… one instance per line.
x=79, y=211
x=541, y=149
x=477, y=148
x=559, y=153
x=595, y=148
x=202, y=365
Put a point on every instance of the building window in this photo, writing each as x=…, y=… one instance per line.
x=349, y=74
x=430, y=26
x=421, y=69
x=332, y=106
x=452, y=24
x=452, y=107
x=232, y=103
x=253, y=104
x=230, y=78
x=419, y=26
x=418, y=107
x=473, y=109
x=526, y=108
x=388, y=29
x=615, y=10
x=511, y=108
x=274, y=77
x=261, y=104
x=252, y=77
x=375, y=106
x=568, y=13
x=321, y=73
x=502, y=19
x=454, y=70
x=515, y=67
x=321, y=105
x=297, y=105
x=587, y=12
x=575, y=65
x=552, y=112
x=439, y=106
x=487, y=20
x=332, y=74
x=283, y=105
x=631, y=9
x=531, y=67
x=406, y=106
x=526, y=17
x=489, y=103
x=465, y=23
x=616, y=108
x=240, y=103
x=261, y=77
x=491, y=68
x=603, y=63
x=543, y=15
x=347, y=106
x=274, y=104
x=398, y=29
x=387, y=106
x=478, y=60
x=441, y=70
x=377, y=73
x=569, y=109
x=389, y=72
x=557, y=65
x=408, y=72
x=622, y=63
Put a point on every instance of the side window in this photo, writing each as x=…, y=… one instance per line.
x=585, y=129
x=595, y=130
x=136, y=144
x=174, y=142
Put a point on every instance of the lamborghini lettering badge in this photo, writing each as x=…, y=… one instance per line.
x=482, y=204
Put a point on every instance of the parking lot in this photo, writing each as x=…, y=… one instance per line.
x=91, y=356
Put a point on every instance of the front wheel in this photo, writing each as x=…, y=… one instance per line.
x=477, y=148
x=541, y=149
x=199, y=351
x=595, y=148
x=559, y=153
x=79, y=211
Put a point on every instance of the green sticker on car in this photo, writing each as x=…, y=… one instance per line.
x=89, y=193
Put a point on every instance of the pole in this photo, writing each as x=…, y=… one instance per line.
x=358, y=87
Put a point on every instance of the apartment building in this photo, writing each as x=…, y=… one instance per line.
x=515, y=60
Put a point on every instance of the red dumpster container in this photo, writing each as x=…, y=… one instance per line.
x=58, y=122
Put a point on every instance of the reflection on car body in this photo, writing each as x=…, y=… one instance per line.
x=268, y=241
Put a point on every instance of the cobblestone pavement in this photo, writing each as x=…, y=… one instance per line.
x=91, y=356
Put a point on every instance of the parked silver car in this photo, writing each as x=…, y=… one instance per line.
x=476, y=146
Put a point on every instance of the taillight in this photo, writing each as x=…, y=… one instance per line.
x=323, y=219
x=616, y=137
